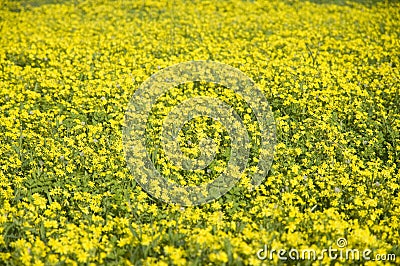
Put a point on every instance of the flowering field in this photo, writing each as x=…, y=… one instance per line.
x=329, y=70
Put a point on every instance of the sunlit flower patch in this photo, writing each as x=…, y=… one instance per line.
x=329, y=70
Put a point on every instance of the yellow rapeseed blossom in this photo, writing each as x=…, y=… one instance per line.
x=68, y=69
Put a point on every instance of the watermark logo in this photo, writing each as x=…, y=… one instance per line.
x=340, y=253
x=141, y=104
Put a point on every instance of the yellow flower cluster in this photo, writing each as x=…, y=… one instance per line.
x=329, y=69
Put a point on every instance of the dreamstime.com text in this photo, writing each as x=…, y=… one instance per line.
x=340, y=253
